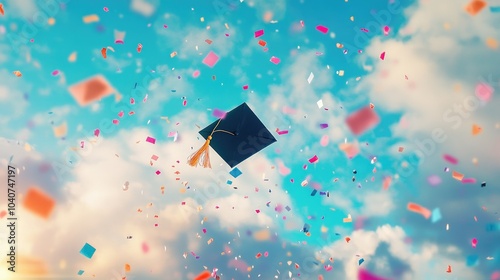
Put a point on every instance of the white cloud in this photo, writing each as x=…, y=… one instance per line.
x=145, y=7
x=25, y=9
x=276, y=9
x=365, y=243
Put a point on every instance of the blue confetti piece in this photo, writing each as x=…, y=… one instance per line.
x=472, y=260
x=235, y=172
x=80, y=272
x=436, y=215
x=361, y=261
x=495, y=9
x=229, y=182
x=87, y=250
x=314, y=192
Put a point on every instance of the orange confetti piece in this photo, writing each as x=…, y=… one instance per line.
x=127, y=267
x=372, y=106
x=91, y=90
x=38, y=202
x=203, y=276
x=208, y=41
x=1, y=9
x=475, y=6
x=320, y=277
x=413, y=207
x=347, y=239
x=449, y=269
x=387, y=183
x=491, y=43
x=476, y=129
x=262, y=43
x=258, y=255
x=457, y=176
x=17, y=73
x=103, y=52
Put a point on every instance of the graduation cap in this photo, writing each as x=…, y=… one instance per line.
x=236, y=137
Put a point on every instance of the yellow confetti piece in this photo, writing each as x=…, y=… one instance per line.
x=127, y=267
x=72, y=57
x=91, y=18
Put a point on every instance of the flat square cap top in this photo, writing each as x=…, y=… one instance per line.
x=238, y=136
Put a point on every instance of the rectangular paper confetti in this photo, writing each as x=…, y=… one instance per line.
x=362, y=120
x=151, y=140
x=275, y=60
x=87, y=250
x=310, y=78
x=211, y=59
x=259, y=33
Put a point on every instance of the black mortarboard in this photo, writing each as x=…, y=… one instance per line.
x=236, y=137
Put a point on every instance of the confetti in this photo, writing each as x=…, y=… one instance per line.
x=211, y=59
x=275, y=60
x=322, y=29
x=362, y=120
x=310, y=78
x=87, y=250
x=259, y=33
x=475, y=6
x=38, y=202
x=413, y=207
x=91, y=18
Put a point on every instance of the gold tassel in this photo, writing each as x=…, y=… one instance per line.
x=201, y=156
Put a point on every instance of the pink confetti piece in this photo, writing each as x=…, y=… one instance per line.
x=382, y=56
x=151, y=140
x=196, y=73
x=362, y=120
x=289, y=111
x=165, y=26
x=258, y=33
x=275, y=60
x=322, y=29
x=204, y=230
x=158, y=172
x=324, y=141
x=323, y=125
x=145, y=99
x=55, y=72
x=314, y=159
x=132, y=101
x=282, y=169
x=119, y=42
x=131, y=113
x=474, y=242
x=172, y=134
x=82, y=144
x=115, y=121
x=386, y=30
x=302, y=23
x=211, y=59
x=219, y=113
x=245, y=87
x=468, y=181
x=185, y=102
x=97, y=132
x=364, y=30
x=365, y=275
x=106, y=9
x=281, y=132
x=3, y=213
x=484, y=92
x=257, y=211
x=434, y=180
x=145, y=247
x=450, y=159
x=154, y=157
x=120, y=114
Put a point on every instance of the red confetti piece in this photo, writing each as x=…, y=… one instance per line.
x=314, y=159
x=382, y=56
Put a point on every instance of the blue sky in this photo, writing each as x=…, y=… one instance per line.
x=426, y=92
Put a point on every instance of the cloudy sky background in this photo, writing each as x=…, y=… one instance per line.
x=436, y=55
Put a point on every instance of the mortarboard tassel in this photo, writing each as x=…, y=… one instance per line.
x=202, y=155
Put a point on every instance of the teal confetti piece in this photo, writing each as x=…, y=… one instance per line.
x=80, y=272
x=235, y=172
x=87, y=250
x=361, y=261
x=436, y=215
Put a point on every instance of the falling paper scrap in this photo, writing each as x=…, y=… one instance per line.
x=362, y=120
x=119, y=36
x=211, y=59
x=419, y=209
x=87, y=250
x=60, y=130
x=90, y=90
x=39, y=203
